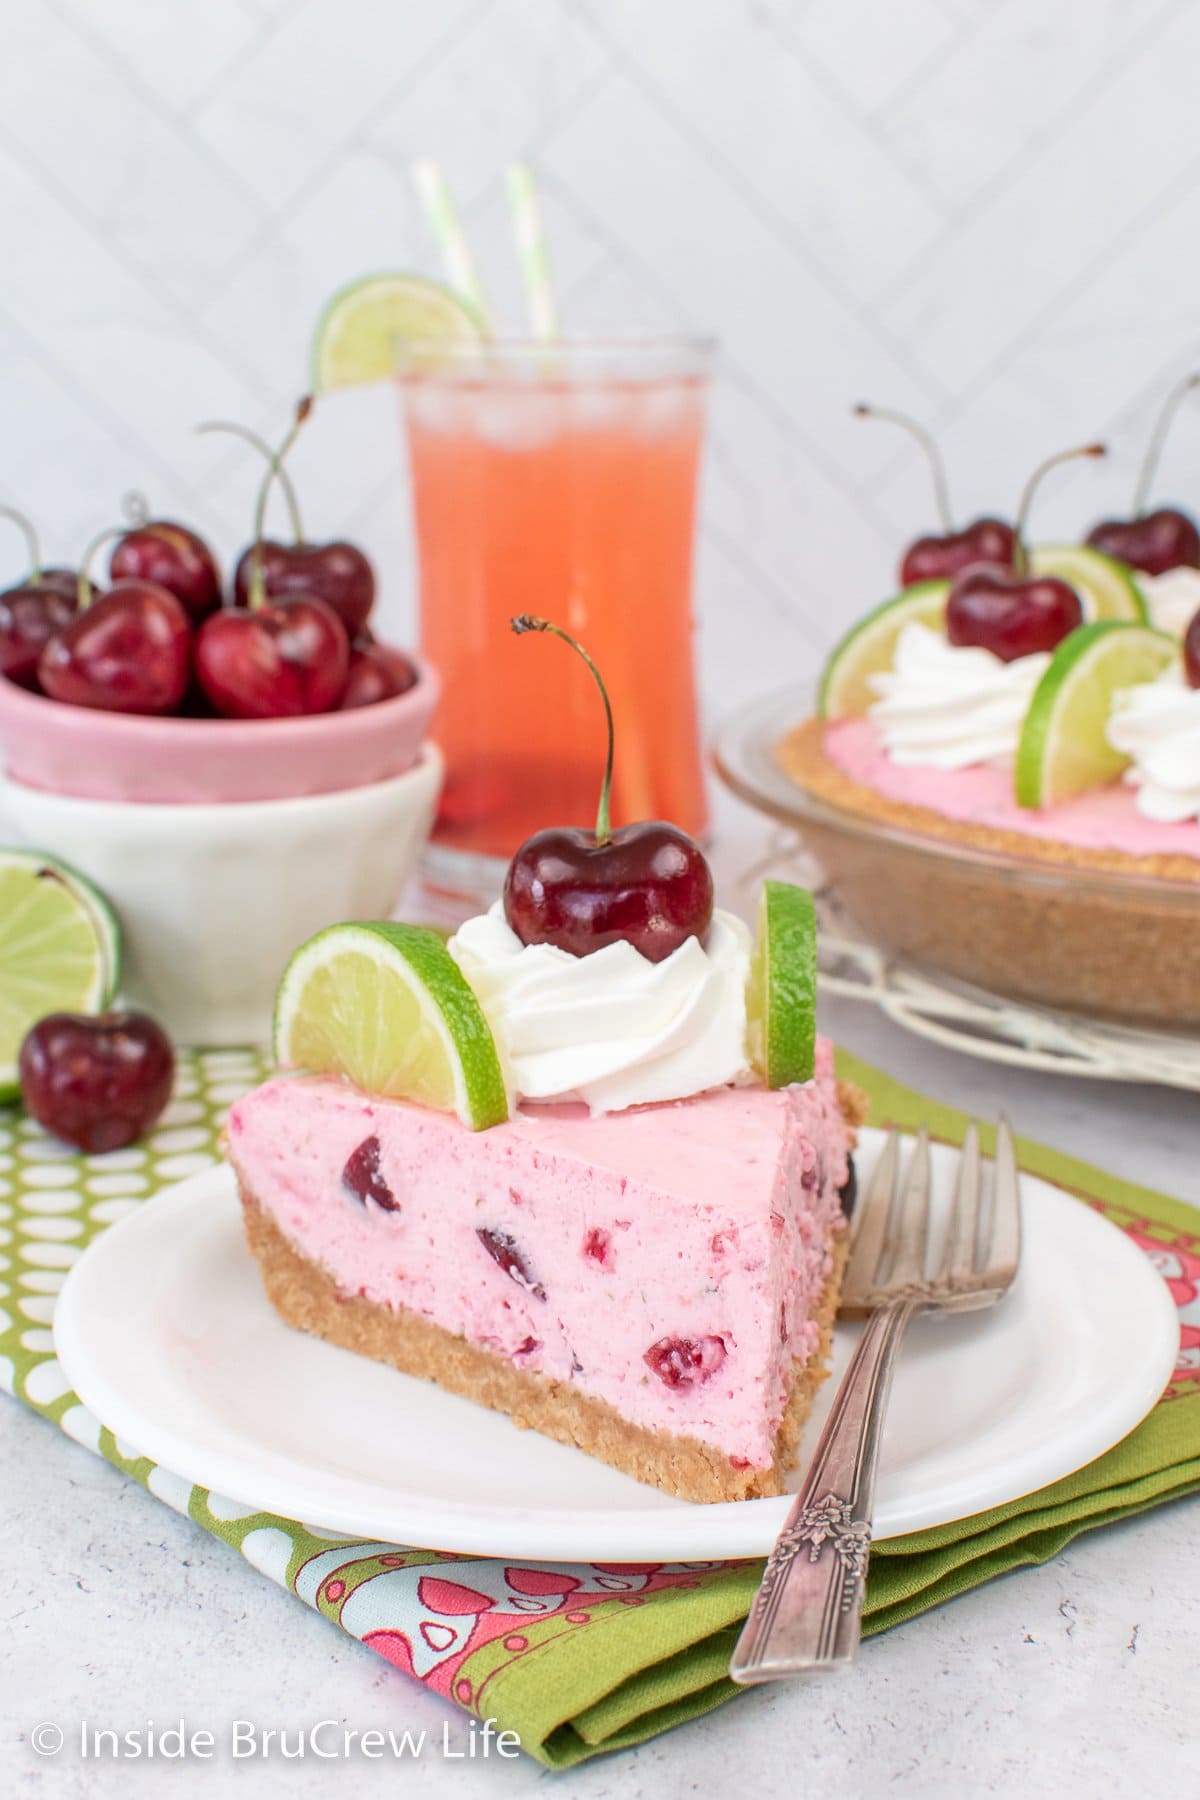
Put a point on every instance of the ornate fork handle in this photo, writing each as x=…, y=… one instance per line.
x=808, y=1611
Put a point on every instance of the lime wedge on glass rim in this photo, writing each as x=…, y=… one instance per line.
x=386, y=1006
x=781, y=995
x=870, y=648
x=360, y=333
x=59, y=950
x=1064, y=747
x=1107, y=588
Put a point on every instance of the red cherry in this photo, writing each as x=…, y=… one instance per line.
x=597, y=1247
x=337, y=573
x=942, y=558
x=58, y=581
x=33, y=610
x=98, y=1083
x=647, y=883
x=1191, y=653
x=128, y=651
x=282, y=661
x=1009, y=611
x=506, y=1252
x=685, y=1362
x=363, y=1177
x=172, y=557
x=377, y=672
x=30, y=615
x=1011, y=615
x=1154, y=543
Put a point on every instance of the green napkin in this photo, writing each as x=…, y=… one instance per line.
x=583, y=1658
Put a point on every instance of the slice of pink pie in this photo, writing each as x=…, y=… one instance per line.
x=655, y=1286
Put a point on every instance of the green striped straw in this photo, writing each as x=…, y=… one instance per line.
x=531, y=251
x=433, y=191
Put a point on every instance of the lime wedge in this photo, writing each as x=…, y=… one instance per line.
x=781, y=996
x=1064, y=747
x=870, y=648
x=388, y=1007
x=59, y=950
x=1107, y=588
x=362, y=331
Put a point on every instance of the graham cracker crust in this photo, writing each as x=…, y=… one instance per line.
x=801, y=754
x=305, y=1296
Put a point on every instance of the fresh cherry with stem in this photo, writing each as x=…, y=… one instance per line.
x=647, y=884
x=1166, y=538
x=337, y=573
x=377, y=672
x=33, y=610
x=284, y=658
x=98, y=1082
x=128, y=650
x=941, y=558
x=1012, y=612
x=169, y=555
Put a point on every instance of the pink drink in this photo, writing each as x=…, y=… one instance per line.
x=561, y=481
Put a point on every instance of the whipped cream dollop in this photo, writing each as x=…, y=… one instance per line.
x=611, y=1029
x=1157, y=725
x=951, y=706
x=1172, y=598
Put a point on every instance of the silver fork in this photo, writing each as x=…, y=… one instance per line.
x=807, y=1613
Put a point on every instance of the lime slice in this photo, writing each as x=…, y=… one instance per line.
x=870, y=648
x=388, y=1007
x=781, y=996
x=59, y=950
x=1064, y=749
x=362, y=329
x=1107, y=588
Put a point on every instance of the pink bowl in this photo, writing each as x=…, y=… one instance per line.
x=94, y=755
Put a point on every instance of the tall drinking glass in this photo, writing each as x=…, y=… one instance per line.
x=560, y=480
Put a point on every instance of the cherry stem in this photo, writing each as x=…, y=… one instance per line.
x=526, y=622
x=937, y=468
x=30, y=536
x=257, y=597
x=1020, y=554
x=264, y=449
x=86, y=587
x=1158, y=438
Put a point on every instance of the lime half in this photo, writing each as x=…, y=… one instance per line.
x=388, y=1007
x=1107, y=588
x=361, y=333
x=781, y=997
x=1064, y=747
x=59, y=950
x=870, y=648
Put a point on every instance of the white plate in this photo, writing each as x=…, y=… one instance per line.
x=164, y=1332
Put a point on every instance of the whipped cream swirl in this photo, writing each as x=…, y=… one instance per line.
x=611, y=1029
x=952, y=706
x=1157, y=725
x=1172, y=598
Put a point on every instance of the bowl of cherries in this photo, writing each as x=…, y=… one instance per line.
x=234, y=768
x=161, y=687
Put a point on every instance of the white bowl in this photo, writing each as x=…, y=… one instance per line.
x=214, y=899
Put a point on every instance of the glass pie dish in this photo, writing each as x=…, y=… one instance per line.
x=1107, y=944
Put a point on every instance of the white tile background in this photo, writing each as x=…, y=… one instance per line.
x=989, y=213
